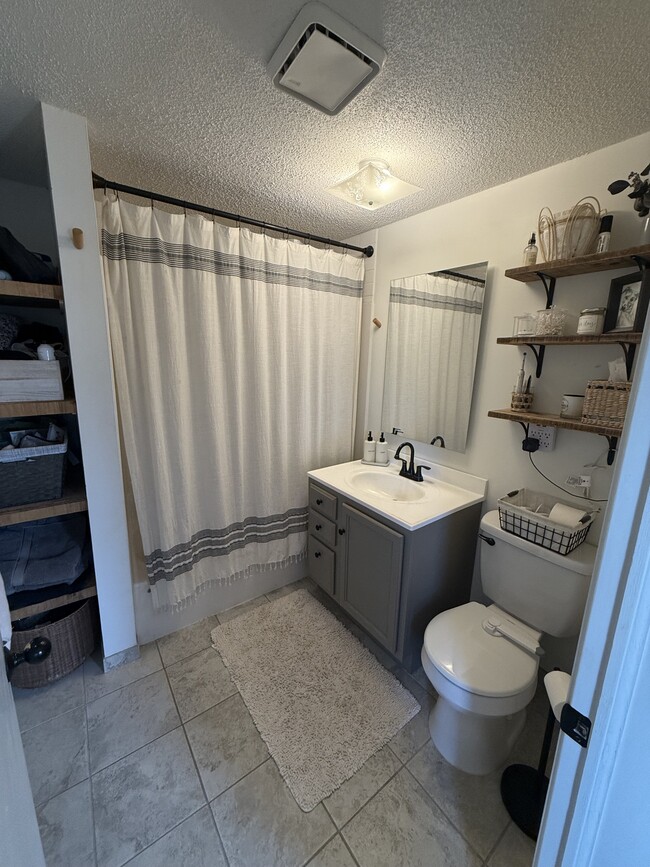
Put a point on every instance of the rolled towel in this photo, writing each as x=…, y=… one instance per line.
x=566, y=515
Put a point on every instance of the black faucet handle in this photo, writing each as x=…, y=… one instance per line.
x=404, y=470
x=418, y=472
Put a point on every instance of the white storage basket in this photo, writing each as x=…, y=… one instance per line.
x=525, y=513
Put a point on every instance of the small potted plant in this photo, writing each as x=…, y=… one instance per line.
x=641, y=196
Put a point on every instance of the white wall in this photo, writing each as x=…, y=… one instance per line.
x=495, y=225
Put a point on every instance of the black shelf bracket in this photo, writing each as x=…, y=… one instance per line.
x=549, y=287
x=643, y=262
x=538, y=352
x=612, y=442
x=629, y=350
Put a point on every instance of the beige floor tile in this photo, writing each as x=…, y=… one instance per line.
x=473, y=803
x=186, y=642
x=403, y=826
x=129, y=718
x=348, y=799
x=225, y=744
x=57, y=754
x=99, y=683
x=199, y=682
x=262, y=826
x=66, y=826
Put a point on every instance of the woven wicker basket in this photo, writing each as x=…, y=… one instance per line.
x=605, y=402
x=72, y=637
x=32, y=474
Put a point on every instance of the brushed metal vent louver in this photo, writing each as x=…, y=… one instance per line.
x=324, y=60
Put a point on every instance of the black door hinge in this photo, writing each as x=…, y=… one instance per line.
x=575, y=725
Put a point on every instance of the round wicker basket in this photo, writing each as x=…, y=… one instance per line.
x=71, y=630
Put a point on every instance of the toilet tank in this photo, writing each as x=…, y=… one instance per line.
x=542, y=588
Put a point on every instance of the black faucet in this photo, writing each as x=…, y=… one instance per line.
x=410, y=471
x=435, y=440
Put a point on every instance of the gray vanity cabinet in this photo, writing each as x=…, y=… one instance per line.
x=390, y=580
x=370, y=574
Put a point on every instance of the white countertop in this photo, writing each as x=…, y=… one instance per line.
x=439, y=497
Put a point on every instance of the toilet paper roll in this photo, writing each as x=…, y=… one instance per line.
x=565, y=515
x=557, y=685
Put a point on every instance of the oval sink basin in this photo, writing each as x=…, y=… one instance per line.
x=382, y=484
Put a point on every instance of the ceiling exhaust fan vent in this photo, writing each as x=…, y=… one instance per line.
x=324, y=60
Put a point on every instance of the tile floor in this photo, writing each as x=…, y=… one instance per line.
x=159, y=763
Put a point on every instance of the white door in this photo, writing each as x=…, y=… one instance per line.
x=20, y=842
x=599, y=797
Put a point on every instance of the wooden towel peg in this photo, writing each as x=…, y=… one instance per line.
x=78, y=238
x=376, y=322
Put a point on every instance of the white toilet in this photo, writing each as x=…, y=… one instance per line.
x=485, y=680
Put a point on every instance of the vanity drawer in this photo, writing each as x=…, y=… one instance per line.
x=321, y=565
x=322, y=501
x=322, y=528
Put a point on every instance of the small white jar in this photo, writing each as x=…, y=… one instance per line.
x=591, y=321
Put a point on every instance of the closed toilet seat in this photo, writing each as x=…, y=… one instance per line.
x=475, y=670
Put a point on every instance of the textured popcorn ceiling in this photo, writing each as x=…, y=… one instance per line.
x=472, y=94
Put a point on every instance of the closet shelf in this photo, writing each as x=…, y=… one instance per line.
x=84, y=588
x=41, y=291
x=73, y=500
x=17, y=409
x=551, y=420
x=608, y=261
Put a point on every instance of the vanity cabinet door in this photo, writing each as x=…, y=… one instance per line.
x=369, y=573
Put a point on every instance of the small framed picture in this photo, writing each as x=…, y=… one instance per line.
x=627, y=304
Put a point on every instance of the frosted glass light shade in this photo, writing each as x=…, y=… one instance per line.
x=373, y=186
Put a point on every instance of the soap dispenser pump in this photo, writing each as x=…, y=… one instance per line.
x=381, y=452
x=369, y=449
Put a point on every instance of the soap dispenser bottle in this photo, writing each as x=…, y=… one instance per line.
x=381, y=452
x=369, y=449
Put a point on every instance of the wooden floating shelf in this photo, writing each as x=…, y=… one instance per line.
x=73, y=500
x=581, y=264
x=85, y=589
x=551, y=420
x=42, y=291
x=631, y=337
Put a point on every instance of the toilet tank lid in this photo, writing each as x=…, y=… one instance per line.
x=581, y=560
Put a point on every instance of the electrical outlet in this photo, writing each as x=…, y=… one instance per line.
x=545, y=435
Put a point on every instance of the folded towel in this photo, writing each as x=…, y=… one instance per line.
x=5, y=616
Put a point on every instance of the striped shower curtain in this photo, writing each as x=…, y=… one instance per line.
x=236, y=360
x=434, y=324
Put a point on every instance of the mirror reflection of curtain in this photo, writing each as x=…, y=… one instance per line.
x=433, y=332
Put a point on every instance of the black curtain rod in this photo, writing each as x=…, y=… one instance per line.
x=102, y=183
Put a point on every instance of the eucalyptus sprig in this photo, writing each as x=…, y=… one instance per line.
x=640, y=190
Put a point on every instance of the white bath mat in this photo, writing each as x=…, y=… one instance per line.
x=320, y=700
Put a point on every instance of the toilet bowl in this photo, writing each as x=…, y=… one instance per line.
x=485, y=678
x=484, y=683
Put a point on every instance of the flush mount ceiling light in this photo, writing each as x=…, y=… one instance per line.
x=324, y=60
x=373, y=186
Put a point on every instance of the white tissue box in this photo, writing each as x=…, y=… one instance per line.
x=30, y=380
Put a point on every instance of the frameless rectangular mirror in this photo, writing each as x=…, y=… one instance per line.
x=434, y=322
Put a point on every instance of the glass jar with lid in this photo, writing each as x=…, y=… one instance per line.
x=591, y=321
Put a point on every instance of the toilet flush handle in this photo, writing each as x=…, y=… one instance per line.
x=487, y=539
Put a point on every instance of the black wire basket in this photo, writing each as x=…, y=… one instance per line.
x=525, y=514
